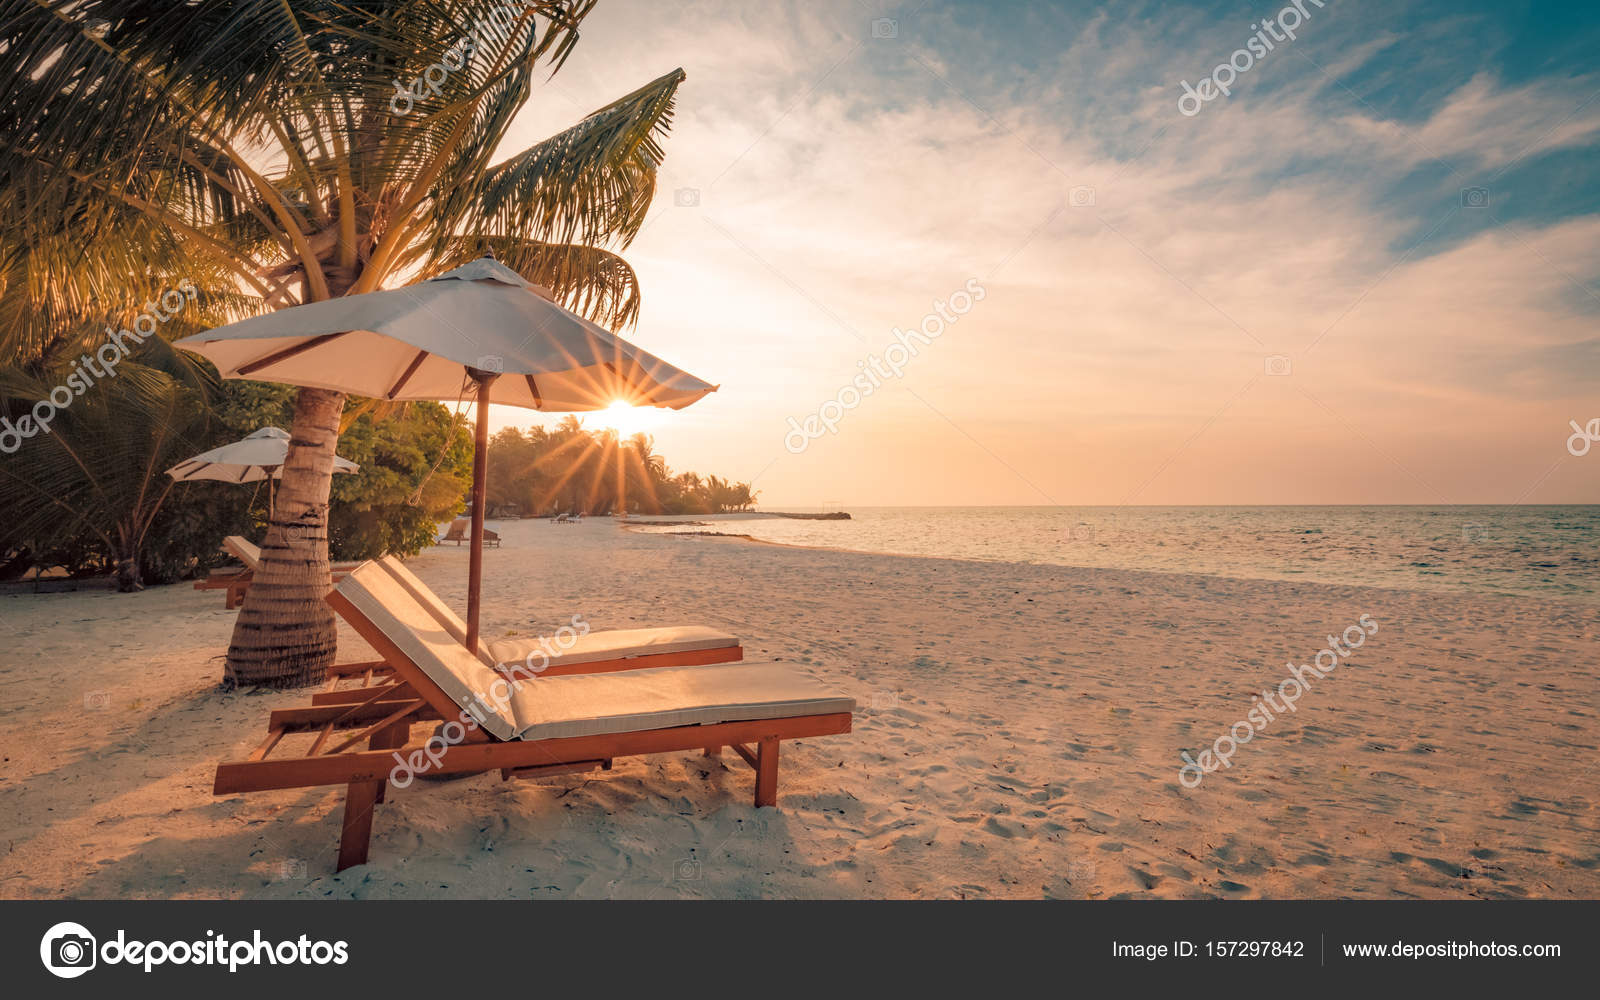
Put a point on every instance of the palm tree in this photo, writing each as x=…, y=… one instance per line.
x=98, y=473
x=309, y=149
x=644, y=473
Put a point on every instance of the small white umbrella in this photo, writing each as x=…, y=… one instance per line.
x=249, y=460
x=452, y=337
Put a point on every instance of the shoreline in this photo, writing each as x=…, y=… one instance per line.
x=1592, y=602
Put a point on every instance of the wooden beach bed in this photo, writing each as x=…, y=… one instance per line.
x=457, y=532
x=550, y=725
x=237, y=580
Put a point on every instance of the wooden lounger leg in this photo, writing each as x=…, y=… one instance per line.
x=767, y=772
x=390, y=738
x=713, y=752
x=359, y=799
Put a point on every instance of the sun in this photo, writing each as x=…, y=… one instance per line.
x=629, y=420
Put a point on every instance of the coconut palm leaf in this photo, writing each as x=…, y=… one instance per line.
x=590, y=183
x=590, y=281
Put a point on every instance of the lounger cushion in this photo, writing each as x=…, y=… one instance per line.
x=403, y=621
x=244, y=550
x=249, y=553
x=610, y=645
x=425, y=596
x=637, y=700
x=618, y=644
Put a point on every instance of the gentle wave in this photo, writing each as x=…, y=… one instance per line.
x=1552, y=551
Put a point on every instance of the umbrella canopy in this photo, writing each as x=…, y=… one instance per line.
x=420, y=341
x=455, y=336
x=248, y=460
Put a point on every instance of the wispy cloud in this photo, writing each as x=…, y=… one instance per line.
x=845, y=181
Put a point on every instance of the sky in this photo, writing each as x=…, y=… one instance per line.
x=1365, y=274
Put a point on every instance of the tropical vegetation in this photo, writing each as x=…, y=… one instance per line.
x=567, y=469
x=258, y=150
x=91, y=497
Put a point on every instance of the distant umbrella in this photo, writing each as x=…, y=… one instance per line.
x=452, y=337
x=248, y=460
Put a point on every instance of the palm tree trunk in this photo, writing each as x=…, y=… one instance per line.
x=285, y=635
x=127, y=559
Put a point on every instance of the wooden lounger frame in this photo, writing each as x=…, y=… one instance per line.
x=237, y=581
x=234, y=581
x=383, y=715
x=457, y=532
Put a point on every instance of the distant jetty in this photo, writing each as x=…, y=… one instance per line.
x=837, y=515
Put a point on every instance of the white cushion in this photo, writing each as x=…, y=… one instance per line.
x=244, y=550
x=636, y=700
x=617, y=644
x=425, y=596
x=411, y=627
x=249, y=553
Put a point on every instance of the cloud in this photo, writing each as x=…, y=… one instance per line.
x=847, y=182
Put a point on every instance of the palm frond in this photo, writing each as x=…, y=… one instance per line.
x=591, y=183
x=590, y=281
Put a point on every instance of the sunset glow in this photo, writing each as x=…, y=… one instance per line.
x=1142, y=267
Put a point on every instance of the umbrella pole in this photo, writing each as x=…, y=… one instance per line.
x=480, y=477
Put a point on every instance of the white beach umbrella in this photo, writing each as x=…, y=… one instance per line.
x=455, y=336
x=424, y=341
x=248, y=460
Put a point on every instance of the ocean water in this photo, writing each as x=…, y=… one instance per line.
x=1541, y=550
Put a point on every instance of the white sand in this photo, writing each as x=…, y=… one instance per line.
x=1017, y=737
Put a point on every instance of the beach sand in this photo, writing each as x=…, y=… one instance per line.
x=1017, y=735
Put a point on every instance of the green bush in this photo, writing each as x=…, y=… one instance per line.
x=106, y=461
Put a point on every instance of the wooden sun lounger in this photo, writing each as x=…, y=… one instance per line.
x=458, y=533
x=237, y=580
x=617, y=649
x=707, y=646
x=557, y=733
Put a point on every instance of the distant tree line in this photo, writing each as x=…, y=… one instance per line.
x=568, y=469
